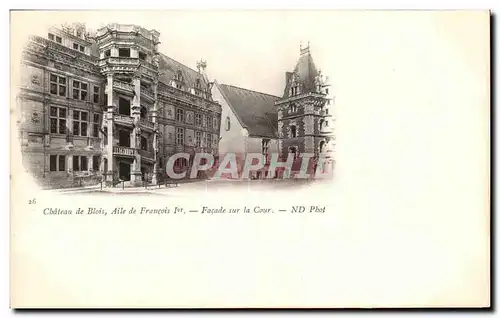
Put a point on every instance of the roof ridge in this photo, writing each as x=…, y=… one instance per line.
x=250, y=90
x=180, y=63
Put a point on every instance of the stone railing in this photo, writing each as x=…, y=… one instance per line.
x=59, y=47
x=145, y=153
x=116, y=60
x=124, y=119
x=123, y=85
x=147, y=93
x=144, y=70
x=147, y=124
x=125, y=151
x=149, y=65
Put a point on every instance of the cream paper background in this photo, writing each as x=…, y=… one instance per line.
x=407, y=220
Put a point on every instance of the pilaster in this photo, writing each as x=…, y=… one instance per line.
x=135, y=137
x=154, y=118
x=110, y=132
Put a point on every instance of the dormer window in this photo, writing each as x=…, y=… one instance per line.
x=197, y=87
x=178, y=76
x=78, y=47
x=124, y=52
x=56, y=38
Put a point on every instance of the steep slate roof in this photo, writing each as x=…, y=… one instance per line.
x=256, y=111
x=307, y=72
x=169, y=67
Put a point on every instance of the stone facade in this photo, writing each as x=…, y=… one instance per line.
x=109, y=106
x=304, y=122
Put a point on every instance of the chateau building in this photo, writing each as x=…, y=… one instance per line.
x=298, y=122
x=248, y=124
x=109, y=105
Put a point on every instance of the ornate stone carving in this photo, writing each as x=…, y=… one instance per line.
x=35, y=79
x=156, y=60
x=35, y=118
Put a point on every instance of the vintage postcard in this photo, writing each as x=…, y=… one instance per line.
x=250, y=159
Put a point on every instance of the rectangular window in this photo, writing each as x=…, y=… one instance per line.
x=57, y=120
x=197, y=119
x=144, y=143
x=96, y=94
x=95, y=127
x=107, y=53
x=58, y=39
x=179, y=140
x=179, y=115
x=62, y=163
x=82, y=48
x=123, y=106
x=180, y=163
x=80, y=163
x=124, y=52
x=265, y=147
x=53, y=162
x=80, y=90
x=197, y=138
x=51, y=37
x=83, y=163
x=80, y=123
x=209, y=121
x=142, y=56
x=76, y=163
x=214, y=141
x=75, y=46
x=57, y=85
x=206, y=140
x=96, y=162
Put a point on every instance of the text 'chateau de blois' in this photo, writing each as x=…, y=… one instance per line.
x=106, y=105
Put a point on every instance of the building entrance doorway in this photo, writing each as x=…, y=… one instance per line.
x=124, y=171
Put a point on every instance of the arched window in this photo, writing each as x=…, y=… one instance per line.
x=321, y=145
x=228, y=123
x=293, y=131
